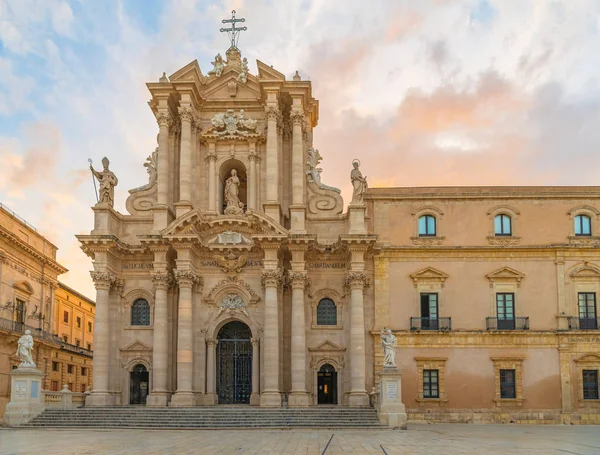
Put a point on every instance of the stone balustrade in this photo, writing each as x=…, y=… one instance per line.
x=65, y=399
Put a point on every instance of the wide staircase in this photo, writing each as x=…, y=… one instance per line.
x=208, y=417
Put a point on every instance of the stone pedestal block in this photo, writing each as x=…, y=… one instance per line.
x=255, y=399
x=156, y=400
x=26, y=400
x=298, y=219
x=390, y=409
x=211, y=399
x=356, y=218
x=298, y=400
x=270, y=400
x=183, y=399
x=358, y=399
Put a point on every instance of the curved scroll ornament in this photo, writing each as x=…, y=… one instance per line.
x=143, y=198
x=323, y=199
x=233, y=302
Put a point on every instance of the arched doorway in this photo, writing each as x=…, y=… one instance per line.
x=234, y=363
x=138, y=384
x=327, y=385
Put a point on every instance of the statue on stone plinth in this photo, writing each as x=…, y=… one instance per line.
x=231, y=195
x=243, y=77
x=108, y=180
x=359, y=183
x=25, y=349
x=389, y=344
x=218, y=66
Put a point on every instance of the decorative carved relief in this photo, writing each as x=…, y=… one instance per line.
x=187, y=278
x=297, y=279
x=356, y=279
x=428, y=275
x=503, y=240
x=322, y=199
x=427, y=241
x=102, y=280
x=231, y=283
x=272, y=277
x=230, y=124
x=584, y=241
x=232, y=303
x=162, y=279
x=230, y=262
x=505, y=274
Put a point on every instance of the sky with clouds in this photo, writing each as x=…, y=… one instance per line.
x=424, y=92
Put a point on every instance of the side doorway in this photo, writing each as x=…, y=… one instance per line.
x=327, y=385
x=139, y=383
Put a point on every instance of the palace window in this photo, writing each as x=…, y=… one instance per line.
x=587, y=310
x=326, y=312
x=66, y=338
x=431, y=384
x=77, y=343
x=83, y=388
x=508, y=384
x=66, y=317
x=20, y=312
x=83, y=371
x=505, y=307
x=78, y=321
x=140, y=312
x=590, y=384
x=427, y=226
x=55, y=366
x=583, y=225
x=54, y=386
x=89, y=346
x=70, y=369
x=429, y=311
x=89, y=327
x=502, y=225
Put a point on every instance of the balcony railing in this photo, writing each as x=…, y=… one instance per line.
x=507, y=324
x=18, y=327
x=576, y=323
x=430, y=323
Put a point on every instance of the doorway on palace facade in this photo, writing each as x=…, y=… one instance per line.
x=234, y=363
x=327, y=385
x=138, y=384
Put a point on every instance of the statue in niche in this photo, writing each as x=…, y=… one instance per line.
x=218, y=66
x=25, y=350
x=359, y=183
x=231, y=195
x=243, y=77
x=389, y=345
x=108, y=180
x=314, y=158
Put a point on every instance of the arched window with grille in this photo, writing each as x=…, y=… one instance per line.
x=427, y=226
x=583, y=225
x=140, y=312
x=502, y=225
x=326, y=312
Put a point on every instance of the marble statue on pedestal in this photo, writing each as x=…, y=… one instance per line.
x=108, y=180
x=25, y=349
x=359, y=183
x=389, y=344
x=231, y=195
x=218, y=66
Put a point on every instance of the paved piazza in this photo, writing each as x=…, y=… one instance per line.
x=446, y=439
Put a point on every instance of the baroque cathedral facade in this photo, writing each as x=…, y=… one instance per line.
x=238, y=276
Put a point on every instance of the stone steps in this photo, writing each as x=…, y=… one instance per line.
x=207, y=417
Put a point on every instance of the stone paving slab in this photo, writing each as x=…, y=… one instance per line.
x=437, y=439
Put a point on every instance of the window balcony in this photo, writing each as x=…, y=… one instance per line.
x=36, y=332
x=507, y=324
x=430, y=323
x=576, y=323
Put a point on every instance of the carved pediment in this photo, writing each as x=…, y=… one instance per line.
x=590, y=359
x=232, y=285
x=136, y=346
x=429, y=275
x=24, y=287
x=222, y=88
x=190, y=72
x=327, y=346
x=266, y=72
x=585, y=271
x=505, y=274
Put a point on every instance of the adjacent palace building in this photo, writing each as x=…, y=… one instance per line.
x=31, y=298
x=238, y=276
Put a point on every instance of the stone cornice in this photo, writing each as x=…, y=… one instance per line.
x=474, y=252
x=32, y=251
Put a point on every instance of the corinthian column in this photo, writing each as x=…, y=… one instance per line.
x=164, y=123
x=211, y=393
x=270, y=396
x=184, y=396
x=252, y=183
x=255, y=395
x=159, y=395
x=357, y=281
x=272, y=204
x=100, y=395
x=298, y=395
x=211, y=159
x=185, y=165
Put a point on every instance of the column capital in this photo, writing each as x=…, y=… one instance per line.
x=102, y=280
x=187, y=278
x=272, y=113
x=210, y=342
x=255, y=341
x=297, y=117
x=118, y=285
x=186, y=114
x=164, y=119
x=211, y=155
x=356, y=280
x=298, y=279
x=272, y=278
x=162, y=279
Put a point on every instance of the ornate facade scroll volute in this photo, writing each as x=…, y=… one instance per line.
x=272, y=278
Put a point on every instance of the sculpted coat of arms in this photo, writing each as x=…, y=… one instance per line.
x=230, y=262
x=231, y=124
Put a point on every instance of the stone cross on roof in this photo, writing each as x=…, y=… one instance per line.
x=232, y=31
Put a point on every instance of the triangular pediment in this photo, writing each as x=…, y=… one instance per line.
x=429, y=273
x=190, y=72
x=327, y=346
x=505, y=274
x=585, y=270
x=266, y=72
x=227, y=86
x=136, y=346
